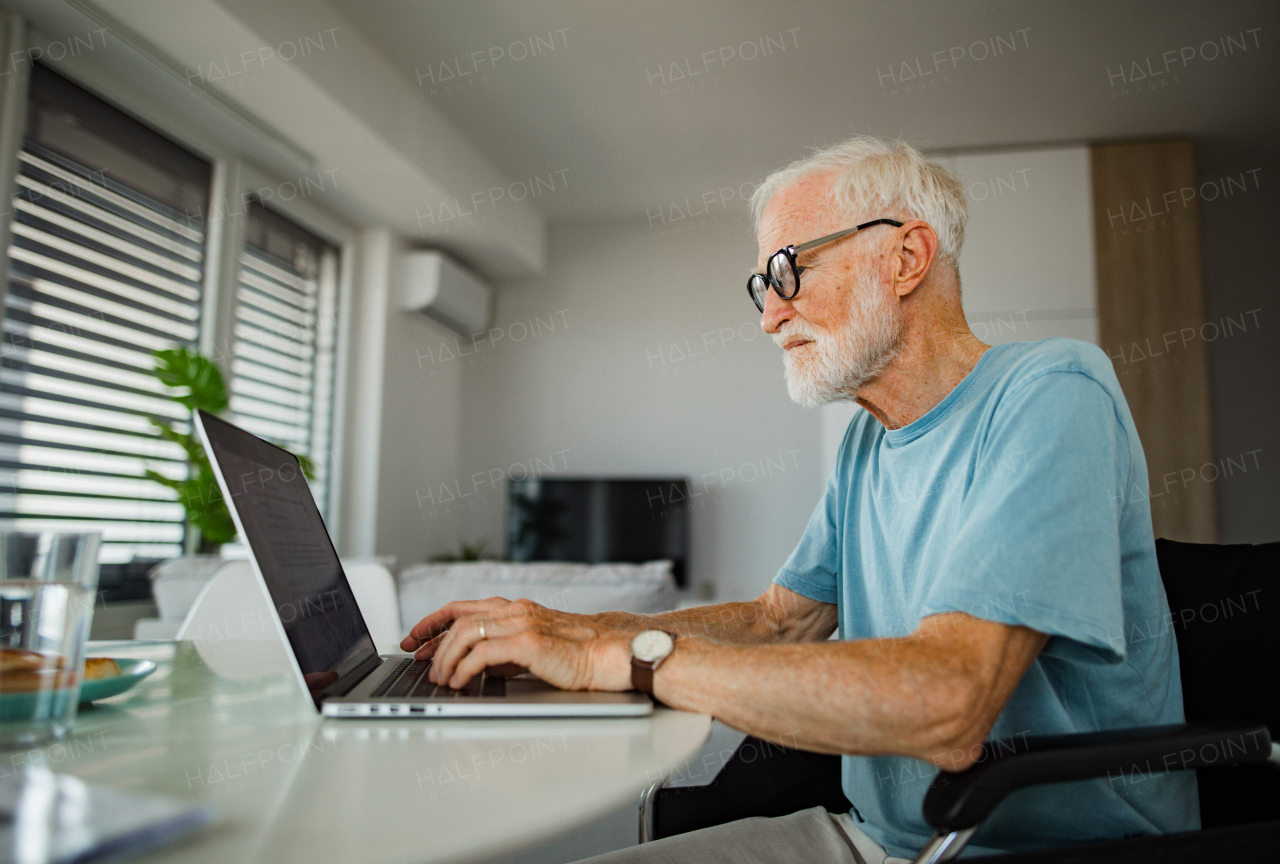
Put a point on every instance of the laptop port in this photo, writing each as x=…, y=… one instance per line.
x=417, y=709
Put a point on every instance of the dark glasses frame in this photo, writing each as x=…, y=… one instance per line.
x=782, y=264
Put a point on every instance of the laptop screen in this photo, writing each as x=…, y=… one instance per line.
x=293, y=550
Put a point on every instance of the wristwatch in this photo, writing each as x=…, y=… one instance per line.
x=648, y=649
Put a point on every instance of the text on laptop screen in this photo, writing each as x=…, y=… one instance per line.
x=298, y=562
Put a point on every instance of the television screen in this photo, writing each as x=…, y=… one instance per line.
x=594, y=521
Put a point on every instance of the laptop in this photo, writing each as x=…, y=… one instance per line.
x=315, y=611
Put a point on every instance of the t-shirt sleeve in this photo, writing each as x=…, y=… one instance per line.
x=813, y=566
x=1039, y=541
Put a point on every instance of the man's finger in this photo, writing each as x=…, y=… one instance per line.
x=440, y=620
x=458, y=642
x=500, y=652
x=428, y=628
x=425, y=650
x=438, y=654
x=413, y=643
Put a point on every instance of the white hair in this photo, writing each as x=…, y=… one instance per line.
x=877, y=179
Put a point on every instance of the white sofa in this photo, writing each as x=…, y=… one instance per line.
x=391, y=609
x=583, y=588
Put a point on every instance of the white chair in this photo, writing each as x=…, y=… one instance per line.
x=175, y=585
x=230, y=625
x=375, y=590
x=234, y=608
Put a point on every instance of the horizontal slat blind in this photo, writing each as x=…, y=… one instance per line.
x=100, y=276
x=282, y=364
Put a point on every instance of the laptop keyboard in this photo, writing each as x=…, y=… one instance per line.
x=409, y=680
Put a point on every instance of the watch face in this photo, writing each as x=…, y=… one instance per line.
x=651, y=645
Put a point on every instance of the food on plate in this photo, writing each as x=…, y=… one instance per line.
x=20, y=660
x=100, y=667
x=23, y=671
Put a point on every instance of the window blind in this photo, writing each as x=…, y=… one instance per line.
x=100, y=275
x=282, y=366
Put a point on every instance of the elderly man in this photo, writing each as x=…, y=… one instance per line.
x=975, y=549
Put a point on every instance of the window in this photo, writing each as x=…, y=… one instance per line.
x=104, y=268
x=283, y=358
x=106, y=265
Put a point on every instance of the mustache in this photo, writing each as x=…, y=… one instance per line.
x=796, y=327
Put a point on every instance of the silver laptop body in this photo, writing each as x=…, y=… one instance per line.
x=315, y=611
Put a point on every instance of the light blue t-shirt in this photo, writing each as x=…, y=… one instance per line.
x=1007, y=501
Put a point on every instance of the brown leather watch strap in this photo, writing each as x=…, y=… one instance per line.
x=642, y=675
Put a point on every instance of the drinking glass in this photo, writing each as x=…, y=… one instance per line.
x=47, y=586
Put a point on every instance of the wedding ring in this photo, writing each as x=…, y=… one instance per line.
x=482, y=636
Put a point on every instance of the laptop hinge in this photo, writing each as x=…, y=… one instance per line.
x=347, y=683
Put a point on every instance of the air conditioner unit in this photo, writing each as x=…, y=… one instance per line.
x=444, y=290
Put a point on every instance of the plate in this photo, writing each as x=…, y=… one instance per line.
x=131, y=672
x=53, y=703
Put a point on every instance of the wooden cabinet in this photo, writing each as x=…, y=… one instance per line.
x=1146, y=228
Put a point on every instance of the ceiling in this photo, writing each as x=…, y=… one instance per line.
x=605, y=118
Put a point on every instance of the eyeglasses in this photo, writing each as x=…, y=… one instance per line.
x=782, y=273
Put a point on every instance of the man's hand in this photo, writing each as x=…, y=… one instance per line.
x=566, y=650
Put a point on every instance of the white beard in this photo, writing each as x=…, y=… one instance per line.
x=834, y=366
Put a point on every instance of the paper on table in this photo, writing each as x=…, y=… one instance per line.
x=48, y=818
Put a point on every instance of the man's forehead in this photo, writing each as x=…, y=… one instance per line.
x=796, y=212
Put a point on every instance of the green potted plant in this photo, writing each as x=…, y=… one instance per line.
x=195, y=382
x=466, y=552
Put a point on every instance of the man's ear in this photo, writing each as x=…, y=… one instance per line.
x=913, y=257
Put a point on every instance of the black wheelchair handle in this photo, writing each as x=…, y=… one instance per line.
x=961, y=800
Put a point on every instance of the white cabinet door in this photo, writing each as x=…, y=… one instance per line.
x=1027, y=267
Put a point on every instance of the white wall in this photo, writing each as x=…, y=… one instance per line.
x=420, y=441
x=402, y=421
x=1027, y=266
x=648, y=360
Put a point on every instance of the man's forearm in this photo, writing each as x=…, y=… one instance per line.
x=778, y=615
x=830, y=698
x=931, y=695
x=723, y=622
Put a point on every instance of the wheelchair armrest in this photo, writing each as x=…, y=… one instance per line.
x=962, y=800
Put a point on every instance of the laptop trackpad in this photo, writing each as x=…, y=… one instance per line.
x=529, y=689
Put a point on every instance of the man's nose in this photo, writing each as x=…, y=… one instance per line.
x=776, y=312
